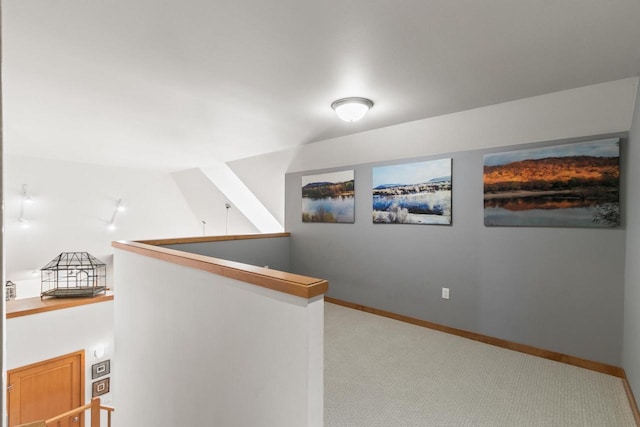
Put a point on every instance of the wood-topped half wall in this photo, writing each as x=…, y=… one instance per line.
x=28, y=306
x=289, y=283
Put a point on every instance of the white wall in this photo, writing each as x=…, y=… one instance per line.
x=207, y=203
x=264, y=175
x=43, y=336
x=216, y=351
x=631, y=349
x=72, y=205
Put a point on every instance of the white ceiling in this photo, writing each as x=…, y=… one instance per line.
x=175, y=84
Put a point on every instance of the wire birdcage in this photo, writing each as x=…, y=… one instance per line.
x=10, y=289
x=74, y=274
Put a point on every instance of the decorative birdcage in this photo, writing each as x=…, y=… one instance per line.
x=10, y=289
x=74, y=274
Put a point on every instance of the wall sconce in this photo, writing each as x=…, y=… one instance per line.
x=26, y=199
x=25, y=195
x=119, y=208
x=98, y=352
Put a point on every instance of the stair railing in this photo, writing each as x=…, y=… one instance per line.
x=94, y=406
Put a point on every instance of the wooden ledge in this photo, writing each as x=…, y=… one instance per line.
x=203, y=239
x=293, y=284
x=28, y=306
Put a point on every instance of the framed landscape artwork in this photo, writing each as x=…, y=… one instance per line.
x=570, y=185
x=328, y=197
x=413, y=193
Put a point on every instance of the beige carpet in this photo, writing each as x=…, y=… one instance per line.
x=381, y=372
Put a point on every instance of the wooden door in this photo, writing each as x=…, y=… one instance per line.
x=46, y=389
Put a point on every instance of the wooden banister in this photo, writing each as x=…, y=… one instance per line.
x=94, y=406
x=95, y=414
x=109, y=410
x=289, y=283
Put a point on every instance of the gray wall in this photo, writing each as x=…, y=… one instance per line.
x=272, y=252
x=631, y=357
x=3, y=401
x=560, y=289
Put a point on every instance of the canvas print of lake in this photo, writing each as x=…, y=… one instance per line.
x=328, y=197
x=413, y=193
x=571, y=185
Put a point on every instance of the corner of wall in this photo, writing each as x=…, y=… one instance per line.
x=631, y=337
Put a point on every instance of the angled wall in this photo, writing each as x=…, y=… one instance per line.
x=208, y=204
x=591, y=110
x=236, y=191
x=264, y=175
x=631, y=355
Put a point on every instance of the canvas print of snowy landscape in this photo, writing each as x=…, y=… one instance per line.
x=571, y=185
x=413, y=193
x=328, y=197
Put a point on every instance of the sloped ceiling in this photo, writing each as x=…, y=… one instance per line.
x=177, y=84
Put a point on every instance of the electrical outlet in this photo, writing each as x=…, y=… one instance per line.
x=445, y=293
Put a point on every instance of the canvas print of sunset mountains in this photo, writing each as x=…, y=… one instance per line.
x=413, y=193
x=571, y=185
x=328, y=197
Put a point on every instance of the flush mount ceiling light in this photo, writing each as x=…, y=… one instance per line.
x=352, y=109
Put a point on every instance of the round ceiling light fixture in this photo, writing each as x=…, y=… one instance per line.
x=352, y=109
